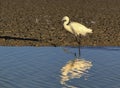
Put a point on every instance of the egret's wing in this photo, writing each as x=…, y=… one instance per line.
x=78, y=28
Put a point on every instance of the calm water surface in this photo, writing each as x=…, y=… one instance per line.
x=57, y=67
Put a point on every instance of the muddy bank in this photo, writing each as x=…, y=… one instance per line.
x=38, y=22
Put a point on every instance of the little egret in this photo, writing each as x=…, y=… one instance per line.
x=76, y=28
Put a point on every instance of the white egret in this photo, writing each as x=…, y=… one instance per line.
x=75, y=28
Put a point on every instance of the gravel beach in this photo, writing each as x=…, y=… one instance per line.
x=38, y=22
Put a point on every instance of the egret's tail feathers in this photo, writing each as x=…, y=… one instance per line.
x=90, y=30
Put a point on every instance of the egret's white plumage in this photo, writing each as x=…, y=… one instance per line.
x=75, y=27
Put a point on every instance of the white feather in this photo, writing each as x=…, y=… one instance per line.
x=75, y=27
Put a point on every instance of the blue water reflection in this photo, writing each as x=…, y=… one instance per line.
x=40, y=67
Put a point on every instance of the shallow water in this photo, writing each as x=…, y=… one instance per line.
x=57, y=67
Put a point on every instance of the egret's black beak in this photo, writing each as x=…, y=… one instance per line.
x=63, y=20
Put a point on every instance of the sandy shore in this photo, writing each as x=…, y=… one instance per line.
x=38, y=22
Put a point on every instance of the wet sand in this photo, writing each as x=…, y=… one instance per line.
x=38, y=22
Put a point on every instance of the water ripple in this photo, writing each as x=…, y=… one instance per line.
x=46, y=67
x=74, y=69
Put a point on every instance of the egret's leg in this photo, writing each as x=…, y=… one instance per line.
x=79, y=43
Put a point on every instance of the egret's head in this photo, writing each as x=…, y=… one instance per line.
x=65, y=18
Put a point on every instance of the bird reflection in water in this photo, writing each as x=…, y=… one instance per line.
x=74, y=69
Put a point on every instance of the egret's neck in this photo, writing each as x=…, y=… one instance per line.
x=66, y=22
x=67, y=25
